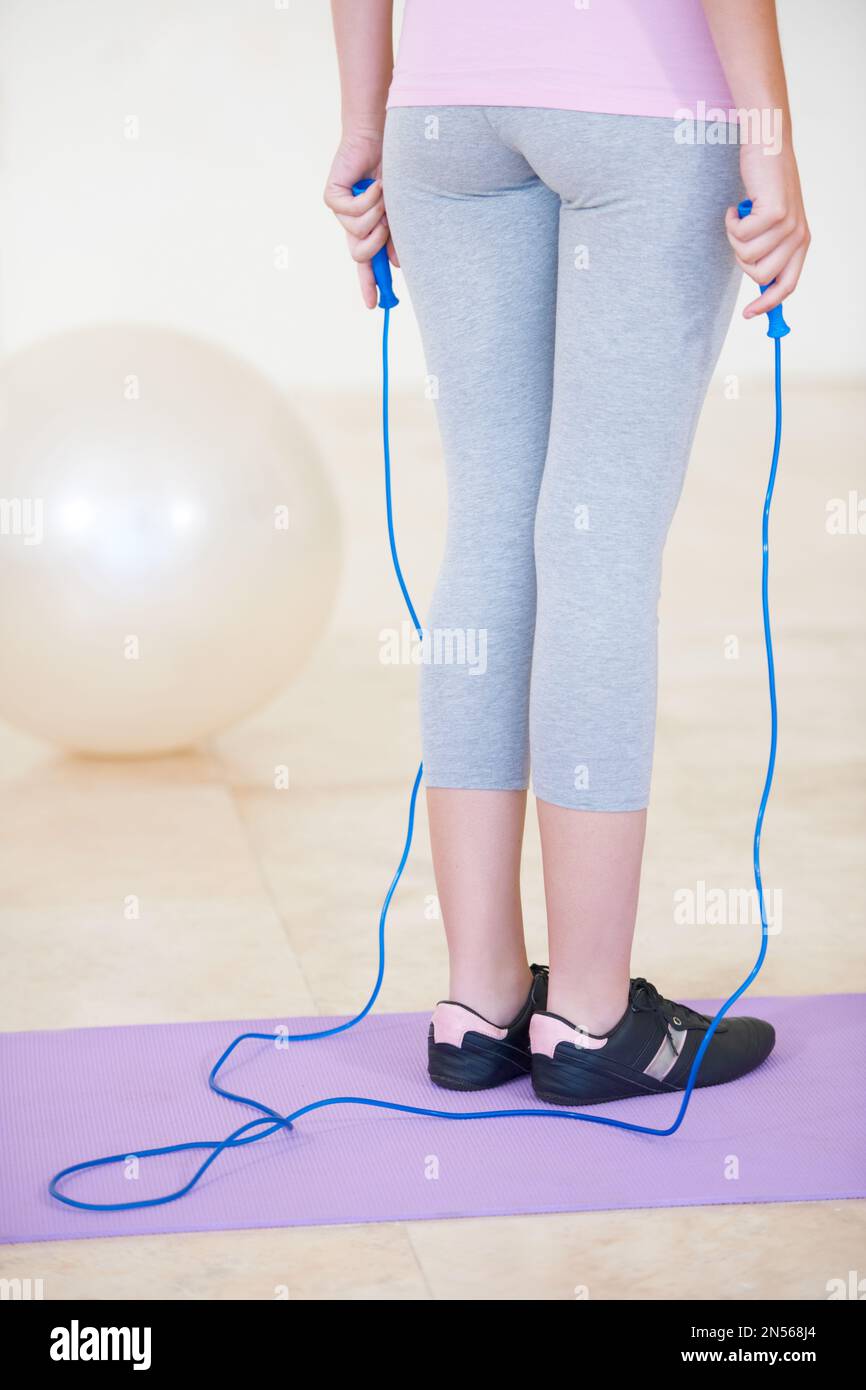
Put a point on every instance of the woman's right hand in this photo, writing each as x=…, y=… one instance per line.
x=363, y=218
x=771, y=243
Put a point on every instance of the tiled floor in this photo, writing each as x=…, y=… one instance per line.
x=259, y=902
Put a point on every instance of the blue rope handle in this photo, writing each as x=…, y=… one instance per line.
x=270, y=1121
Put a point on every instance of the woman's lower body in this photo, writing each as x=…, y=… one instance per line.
x=573, y=284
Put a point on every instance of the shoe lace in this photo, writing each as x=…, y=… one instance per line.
x=645, y=998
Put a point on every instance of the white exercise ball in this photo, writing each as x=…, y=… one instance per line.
x=169, y=546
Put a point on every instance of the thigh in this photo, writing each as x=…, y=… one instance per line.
x=476, y=231
x=646, y=288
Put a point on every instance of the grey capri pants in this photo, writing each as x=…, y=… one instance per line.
x=573, y=284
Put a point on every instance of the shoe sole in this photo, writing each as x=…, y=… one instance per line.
x=449, y=1084
x=635, y=1095
x=476, y=1066
x=631, y=1091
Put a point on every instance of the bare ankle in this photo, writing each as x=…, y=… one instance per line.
x=597, y=1013
x=497, y=995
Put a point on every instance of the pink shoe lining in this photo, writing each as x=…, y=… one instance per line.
x=545, y=1032
x=451, y=1023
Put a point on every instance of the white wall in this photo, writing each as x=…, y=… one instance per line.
x=236, y=102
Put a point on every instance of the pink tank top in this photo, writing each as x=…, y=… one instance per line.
x=626, y=57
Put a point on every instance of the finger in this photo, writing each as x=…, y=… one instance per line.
x=364, y=223
x=759, y=221
x=784, y=285
x=761, y=246
x=365, y=248
x=367, y=281
x=340, y=198
x=772, y=265
x=392, y=255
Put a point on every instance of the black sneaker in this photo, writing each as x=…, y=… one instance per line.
x=466, y=1052
x=649, y=1052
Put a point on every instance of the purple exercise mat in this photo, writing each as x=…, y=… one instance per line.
x=795, y=1130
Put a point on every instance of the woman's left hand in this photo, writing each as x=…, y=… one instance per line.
x=363, y=217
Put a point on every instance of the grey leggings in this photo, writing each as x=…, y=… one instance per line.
x=573, y=284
